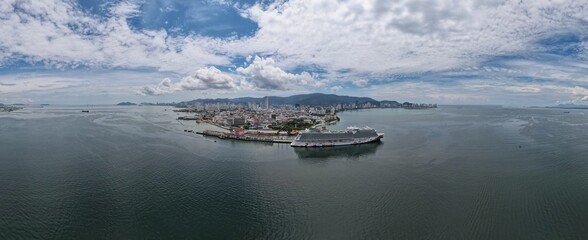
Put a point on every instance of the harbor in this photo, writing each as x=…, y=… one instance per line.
x=307, y=138
x=245, y=136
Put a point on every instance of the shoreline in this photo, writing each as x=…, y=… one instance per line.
x=245, y=137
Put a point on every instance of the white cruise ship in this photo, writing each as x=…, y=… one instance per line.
x=352, y=136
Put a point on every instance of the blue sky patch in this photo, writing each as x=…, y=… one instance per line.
x=181, y=17
x=564, y=44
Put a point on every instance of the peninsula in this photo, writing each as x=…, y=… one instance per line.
x=263, y=118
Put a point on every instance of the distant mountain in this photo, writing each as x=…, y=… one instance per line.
x=571, y=106
x=313, y=99
x=126, y=104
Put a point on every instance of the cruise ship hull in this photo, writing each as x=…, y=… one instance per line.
x=333, y=143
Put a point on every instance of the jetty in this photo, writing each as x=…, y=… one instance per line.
x=241, y=135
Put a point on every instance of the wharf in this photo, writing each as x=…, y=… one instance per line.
x=247, y=137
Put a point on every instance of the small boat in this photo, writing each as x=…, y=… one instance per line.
x=85, y=111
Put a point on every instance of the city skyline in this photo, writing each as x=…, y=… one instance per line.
x=447, y=52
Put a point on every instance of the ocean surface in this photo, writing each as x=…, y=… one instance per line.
x=471, y=172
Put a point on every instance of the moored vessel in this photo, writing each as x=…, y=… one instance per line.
x=326, y=138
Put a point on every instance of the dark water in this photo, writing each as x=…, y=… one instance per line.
x=447, y=173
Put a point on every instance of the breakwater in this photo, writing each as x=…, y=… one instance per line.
x=247, y=136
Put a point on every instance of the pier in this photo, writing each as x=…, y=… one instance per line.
x=246, y=136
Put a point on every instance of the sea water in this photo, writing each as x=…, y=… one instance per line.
x=455, y=172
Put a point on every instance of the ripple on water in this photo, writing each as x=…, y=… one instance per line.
x=444, y=174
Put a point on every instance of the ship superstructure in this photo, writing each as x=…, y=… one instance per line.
x=326, y=138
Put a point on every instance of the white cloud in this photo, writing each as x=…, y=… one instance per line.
x=16, y=84
x=163, y=87
x=266, y=75
x=349, y=40
x=59, y=34
x=360, y=82
x=208, y=78
x=478, y=91
x=76, y=86
x=582, y=100
x=336, y=88
x=125, y=9
x=363, y=36
x=405, y=36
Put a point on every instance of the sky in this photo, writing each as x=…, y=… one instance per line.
x=514, y=53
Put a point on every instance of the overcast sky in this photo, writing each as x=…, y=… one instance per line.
x=447, y=51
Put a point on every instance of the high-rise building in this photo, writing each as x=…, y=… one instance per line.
x=266, y=98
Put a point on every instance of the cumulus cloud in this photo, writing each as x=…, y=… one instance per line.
x=266, y=75
x=348, y=40
x=360, y=82
x=59, y=34
x=336, y=88
x=163, y=87
x=407, y=36
x=207, y=78
x=364, y=36
x=581, y=100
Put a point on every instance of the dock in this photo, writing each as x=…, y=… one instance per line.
x=246, y=137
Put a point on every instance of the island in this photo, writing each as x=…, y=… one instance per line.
x=126, y=104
